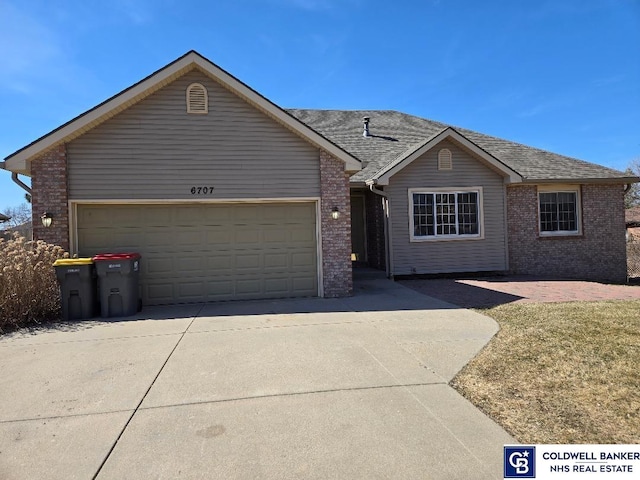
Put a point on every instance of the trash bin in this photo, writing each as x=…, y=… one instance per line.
x=118, y=279
x=77, y=280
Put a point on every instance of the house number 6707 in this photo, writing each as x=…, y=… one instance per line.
x=201, y=190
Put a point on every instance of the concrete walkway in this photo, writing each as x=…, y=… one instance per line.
x=312, y=388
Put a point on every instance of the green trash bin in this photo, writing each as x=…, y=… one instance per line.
x=118, y=280
x=77, y=280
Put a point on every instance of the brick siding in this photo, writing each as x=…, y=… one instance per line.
x=50, y=194
x=598, y=254
x=336, y=234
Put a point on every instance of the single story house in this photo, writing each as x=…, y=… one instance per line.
x=229, y=196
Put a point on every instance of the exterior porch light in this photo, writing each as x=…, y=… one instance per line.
x=335, y=213
x=46, y=218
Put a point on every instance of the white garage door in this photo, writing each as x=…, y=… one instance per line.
x=200, y=253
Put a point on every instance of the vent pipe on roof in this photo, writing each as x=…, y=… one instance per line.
x=365, y=121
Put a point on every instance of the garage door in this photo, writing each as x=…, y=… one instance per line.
x=196, y=253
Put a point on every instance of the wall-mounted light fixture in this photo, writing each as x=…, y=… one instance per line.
x=46, y=218
x=335, y=213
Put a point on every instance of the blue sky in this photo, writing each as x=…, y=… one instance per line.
x=562, y=75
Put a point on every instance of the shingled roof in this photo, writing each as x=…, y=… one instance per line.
x=393, y=134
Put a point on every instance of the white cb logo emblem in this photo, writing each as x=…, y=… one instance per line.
x=520, y=462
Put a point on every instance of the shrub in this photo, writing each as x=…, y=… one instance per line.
x=29, y=291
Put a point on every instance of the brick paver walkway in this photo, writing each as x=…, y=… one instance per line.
x=491, y=291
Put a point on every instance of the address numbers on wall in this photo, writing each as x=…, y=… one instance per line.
x=201, y=190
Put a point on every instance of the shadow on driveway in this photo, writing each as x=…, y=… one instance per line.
x=462, y=294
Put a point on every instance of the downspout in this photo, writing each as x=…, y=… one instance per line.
x=387, y=236
x=627, y=187
x=14, y=177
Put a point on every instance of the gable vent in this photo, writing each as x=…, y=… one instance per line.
x=197, y=99
x=444, y=159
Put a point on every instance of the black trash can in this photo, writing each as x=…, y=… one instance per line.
x=118, y=280
x=77, y=280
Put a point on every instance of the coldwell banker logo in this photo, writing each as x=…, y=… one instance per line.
x=519, y=462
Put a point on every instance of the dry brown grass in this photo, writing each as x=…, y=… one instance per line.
x=28, y=288
x=561, y=372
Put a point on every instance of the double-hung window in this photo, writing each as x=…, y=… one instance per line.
x=559, y=211
x=445, y=214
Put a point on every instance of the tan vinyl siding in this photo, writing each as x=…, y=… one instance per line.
x=469, y=255
x=156, y=150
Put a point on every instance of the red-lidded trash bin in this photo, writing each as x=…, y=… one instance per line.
x=118, y=280
x=77, y=280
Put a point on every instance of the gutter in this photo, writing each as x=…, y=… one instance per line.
x=14, y=177
x=16, y=180
x=582, y=181
x=387, y=229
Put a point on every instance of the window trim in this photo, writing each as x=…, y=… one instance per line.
x=446, y=238
x=561, y=189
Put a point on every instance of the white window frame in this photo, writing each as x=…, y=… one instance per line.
x=447, y=238
x=561, y=189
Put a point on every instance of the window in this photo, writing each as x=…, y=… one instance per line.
x=445, y=214
x=197, y=99
x=559, y=212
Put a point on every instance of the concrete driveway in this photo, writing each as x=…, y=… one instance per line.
x=313, y=388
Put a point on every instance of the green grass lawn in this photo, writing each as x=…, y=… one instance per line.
x=561, y=372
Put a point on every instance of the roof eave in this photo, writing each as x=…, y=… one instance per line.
x=18, y=161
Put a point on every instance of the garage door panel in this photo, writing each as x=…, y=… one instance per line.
x=157, y=265
x=158, y=293
x=274, y=235
x=276, y=260
x=248, y=214
x=194, y=253
x=191, y=291
x=219, y=290
x=251, y=262
x=193, y=265
x=303, y=284
x=220, y=263
x=218, y=235
x=98, y=240
x=277, y=286
x=128, y=236
x=190, y=236
x=302, y=259
x=247, y=235
x=301, y=236
x=249, y=286
x=156, y=237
